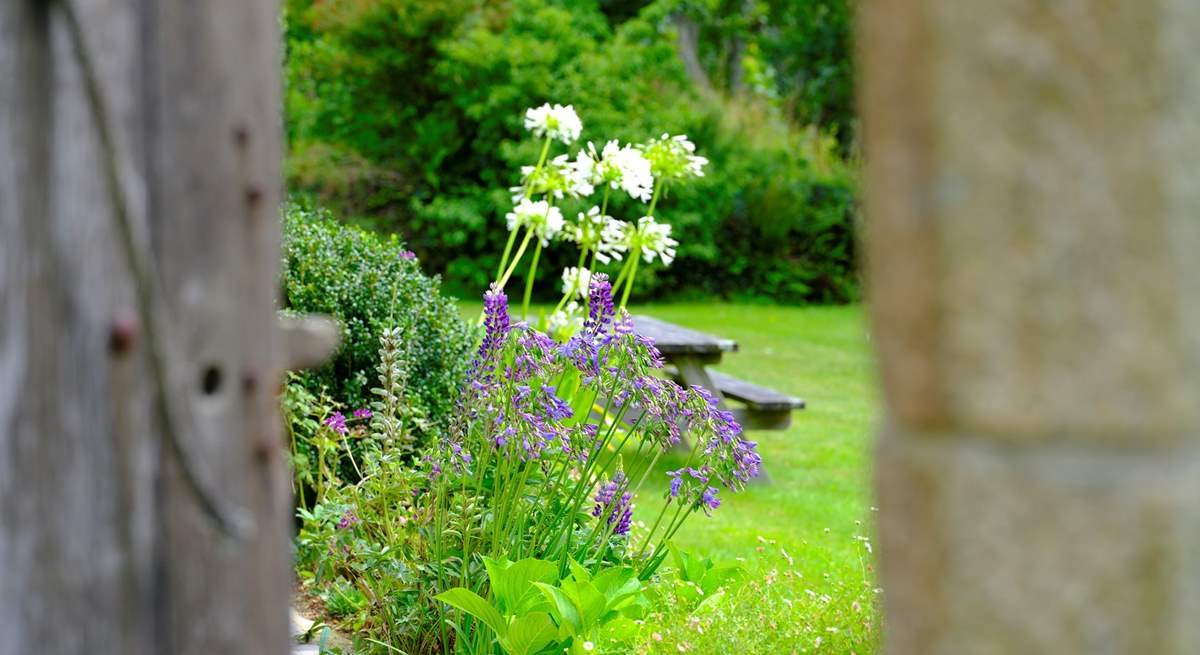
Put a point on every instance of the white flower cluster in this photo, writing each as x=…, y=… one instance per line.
x=603, y=234
x=557, y=122
x=564, y=323
x=653, y=239
x=674, y=158
x=619, y=167
x=559, y=177
x=576, y=282
x=544, y=220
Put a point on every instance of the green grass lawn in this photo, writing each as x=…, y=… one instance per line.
x=801, y=533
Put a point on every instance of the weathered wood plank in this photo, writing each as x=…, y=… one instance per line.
x=103, y=546
x=672, y=340
x=755, y=396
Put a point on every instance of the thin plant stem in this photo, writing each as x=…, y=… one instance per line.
x=512, y=239
x=537, y=253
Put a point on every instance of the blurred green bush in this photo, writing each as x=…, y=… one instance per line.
x=406, y=116
x=369, y=284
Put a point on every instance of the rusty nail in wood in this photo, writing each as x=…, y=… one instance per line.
x=263, y=449
x=249, y=380
x=253, y=193
x=122, y=334
x=241, y=135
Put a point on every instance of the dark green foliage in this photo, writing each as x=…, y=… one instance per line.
x=361, y=279
x=406, y=115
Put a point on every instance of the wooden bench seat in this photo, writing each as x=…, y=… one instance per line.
x=763, y=408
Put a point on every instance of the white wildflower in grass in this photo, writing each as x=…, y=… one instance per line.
x=576, y=281
x=559, y=177
x=545, y=220
x=674, y=158
x=653, y=239
x=618, y=167
x=602, y=234
x=557, y=122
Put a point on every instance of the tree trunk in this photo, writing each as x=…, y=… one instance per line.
x=105, y=545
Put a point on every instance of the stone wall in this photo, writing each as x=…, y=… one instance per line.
x=1033, y=256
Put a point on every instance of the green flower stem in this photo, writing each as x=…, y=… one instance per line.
x=512, y=238
x=625, y=268
x=570, y=293
x=631, y=266
x=516, y=260
x=629, y=283
x=537, y=253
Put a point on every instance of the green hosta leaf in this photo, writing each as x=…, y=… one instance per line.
x=471, y=603
x=620, y=629
x=617, y=584
x=710, y=603
x=577, y=571
x=512, y=583
x=590, y=602
x=723, y=575
x=529, y=633
x=561, y=607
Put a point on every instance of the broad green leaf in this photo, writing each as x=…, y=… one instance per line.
x=471, y=603
x=722, y=575
x=529, y=633
x=619, y=629
x=617, y=583
x=590, y=602
x=512, y=585
x=562, y=607
x=577, y=571
x=710, y=603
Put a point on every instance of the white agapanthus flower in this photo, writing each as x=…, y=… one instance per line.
x=619, y=167
x=557, y=122
x=576, y=281
x=653, y=239
x=566, y=322
x=545, y=220
x=603, y=234
x=559, y=177
x=674, y=158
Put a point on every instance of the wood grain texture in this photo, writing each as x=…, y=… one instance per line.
x=103, y=547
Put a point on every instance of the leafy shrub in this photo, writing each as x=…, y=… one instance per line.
x=406, y=114
x=371, y=284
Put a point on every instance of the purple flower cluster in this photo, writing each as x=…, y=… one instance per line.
x=691, y=486
x=348, y=520
x=614, y=503
x=407, y=255
x=496, y=326
x=600, y=305
x=362, y=413
x=338, y=422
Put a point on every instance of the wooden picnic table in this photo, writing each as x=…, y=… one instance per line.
x=690, y=352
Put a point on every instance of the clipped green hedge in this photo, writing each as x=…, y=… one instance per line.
x=368, y=283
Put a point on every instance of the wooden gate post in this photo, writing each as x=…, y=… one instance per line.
x=134, y=521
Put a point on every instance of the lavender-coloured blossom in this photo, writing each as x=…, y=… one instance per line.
x=600, y=309
x=617, y=509
x=348, y=520
x=408, y=255
x=496, y=325
x=362, y=413
x=709, y=500
x=337, y=422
